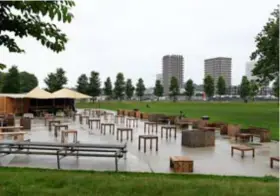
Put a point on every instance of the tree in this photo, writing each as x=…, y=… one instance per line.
x=158, y=90
x=208, y=86
x=267, y=52
x=276, y=87
x=94, y=84
x=119, y=86
x=20, y=19
x=28, y=81
x=108, y=88
x=83, y=84
x=2, y=79
x=12, y=81
x=245, y=89
x=140, y=88
x=254, y=89
x=56, y=81
x=189, y=89
x=221, y=86
x=129, y=89
x=174, y=88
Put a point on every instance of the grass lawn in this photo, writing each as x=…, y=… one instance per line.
x=261, y=114
x=25, y=181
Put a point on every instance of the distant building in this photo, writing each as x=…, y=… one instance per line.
x=159, y=77
x=248, y=70
x=172, y=66
x=216, y=67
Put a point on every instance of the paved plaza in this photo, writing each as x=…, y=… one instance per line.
x=207, y=160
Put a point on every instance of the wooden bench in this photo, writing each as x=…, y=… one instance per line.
x=82, y=117
x=127, y=130
x=147, y=137
x=11, y=128
x=167, y=129
x=243, y=149
x=119, y=119
x=17, y=136
x=181, y=164
x=244, y=137
x=273, y=159
x=92, y=120
x=51, y=122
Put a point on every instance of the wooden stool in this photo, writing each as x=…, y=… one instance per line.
x=147, y=137
x=150, y=124
x=168, y=129
x=64, y=135
x=244, y=137
x=97, y=122
x=132, y=121
x=127, y=130
x=82, y=117
x=273, y=159
x=243, y=149
x=181, y=164
x=57, y=128
x=74, y=116
x=119, y=118
x=53, y=122
x=48, y=117
x=110, y=125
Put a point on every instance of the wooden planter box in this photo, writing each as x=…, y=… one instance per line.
x=198, y=138
x=263, y=133
x=137, y=114
x=144, y=116
x=125, y=112
x=232, y=130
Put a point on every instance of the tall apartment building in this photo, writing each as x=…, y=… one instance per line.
x=172, y=66
x=248, y=70
x=216, y=67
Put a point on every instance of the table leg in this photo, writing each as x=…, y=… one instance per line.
x=271, y=163
x=151, y=144
x=231, y=151
x=139, y=144
x=121, y=136
x=127, y=134
x=156, y=144
x=242, y=154
x=161, y=134
x=253, y=153
x=131, y=134
x=117, y=134
x=175, y=129
x=144, y=145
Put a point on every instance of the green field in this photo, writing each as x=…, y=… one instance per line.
x=24, y=181
x=261, y=114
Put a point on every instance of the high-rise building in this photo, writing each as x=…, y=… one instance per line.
x=216, y=67
x=248, y=70
x=172, y=66
x=159, y=77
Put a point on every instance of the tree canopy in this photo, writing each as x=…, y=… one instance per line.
x=208, y=85
x=94, y=84
x=189, y=89
x=83, y=84
x=129, y=89
x=221, y=86
x=245, y=88
x=267, y=52
x=28, y=81
x=119, y=89
x=11, y=82
x=140, y=88
x=158, y=89
x=20, y=19
x=56, y=81
x=174, y=88
x=254, y=89
x=108, y=91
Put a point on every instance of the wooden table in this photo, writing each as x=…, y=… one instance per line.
x=48, y=117
x=110, y=125
x=132, y=121
x=243, y=149
x=58, y=126
x=82, y=117
x=53, y=122
x=167, y=129
x=273, y=159
x=244, y=137
x=183, y=123
x=92, y=120
x=64, y=135
x=74, y=116
x=181, y=164
x=17, y=136
x=147, y=137
x=127, y=130
x=150, y=124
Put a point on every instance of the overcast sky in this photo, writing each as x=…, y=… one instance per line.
x=131, y=36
